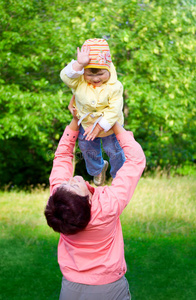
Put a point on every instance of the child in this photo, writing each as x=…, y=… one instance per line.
x=98, y=104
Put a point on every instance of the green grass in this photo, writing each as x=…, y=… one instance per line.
x=160, y=244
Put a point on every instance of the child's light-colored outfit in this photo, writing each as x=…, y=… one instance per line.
x=104, y=102
x=94, y=105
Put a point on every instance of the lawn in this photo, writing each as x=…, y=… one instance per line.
x=159, y=233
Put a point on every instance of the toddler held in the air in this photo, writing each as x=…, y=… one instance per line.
x=98, y=103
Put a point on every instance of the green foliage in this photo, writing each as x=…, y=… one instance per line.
x=153, y=47
x=158, y=66
x=29, y=134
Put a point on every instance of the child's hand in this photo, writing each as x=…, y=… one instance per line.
x=90, y=136
x=83, y=55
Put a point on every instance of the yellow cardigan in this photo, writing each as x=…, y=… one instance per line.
x=104, y=103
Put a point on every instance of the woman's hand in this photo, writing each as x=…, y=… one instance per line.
x=90, y=136
x=117, y=128
x=72, y=108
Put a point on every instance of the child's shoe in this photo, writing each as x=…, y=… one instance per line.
x=99, y=179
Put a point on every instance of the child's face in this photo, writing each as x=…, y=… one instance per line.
x=96, y=79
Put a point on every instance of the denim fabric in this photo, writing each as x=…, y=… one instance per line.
x=92, y=153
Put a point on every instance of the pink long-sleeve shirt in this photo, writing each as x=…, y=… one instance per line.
x=95, y=255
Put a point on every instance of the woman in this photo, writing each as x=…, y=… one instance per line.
x=91, y=247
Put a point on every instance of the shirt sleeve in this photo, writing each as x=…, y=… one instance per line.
x=127, y=177
x=69, y=76
x=113, y=111
x=62, y=168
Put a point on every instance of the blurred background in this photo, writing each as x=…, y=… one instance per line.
x=152, y=45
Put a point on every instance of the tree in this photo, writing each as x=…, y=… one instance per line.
x=153, y=47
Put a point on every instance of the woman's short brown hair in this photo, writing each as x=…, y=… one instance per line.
x=67, y=212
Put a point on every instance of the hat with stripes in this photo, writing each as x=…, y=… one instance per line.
x=99, y=54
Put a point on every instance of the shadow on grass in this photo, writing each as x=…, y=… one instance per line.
x=161, y=267
x=28, y=266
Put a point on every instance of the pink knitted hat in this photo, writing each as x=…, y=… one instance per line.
x=99, y=54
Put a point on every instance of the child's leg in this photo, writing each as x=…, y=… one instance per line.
x=91, y=151
x=115, y=153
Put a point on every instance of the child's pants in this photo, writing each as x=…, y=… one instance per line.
x=92, y=153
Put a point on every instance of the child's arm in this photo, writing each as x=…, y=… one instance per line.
x=71, y=73
x=113, y=112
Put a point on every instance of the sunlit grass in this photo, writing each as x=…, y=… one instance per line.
x=159, y=233
x=162, y=206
